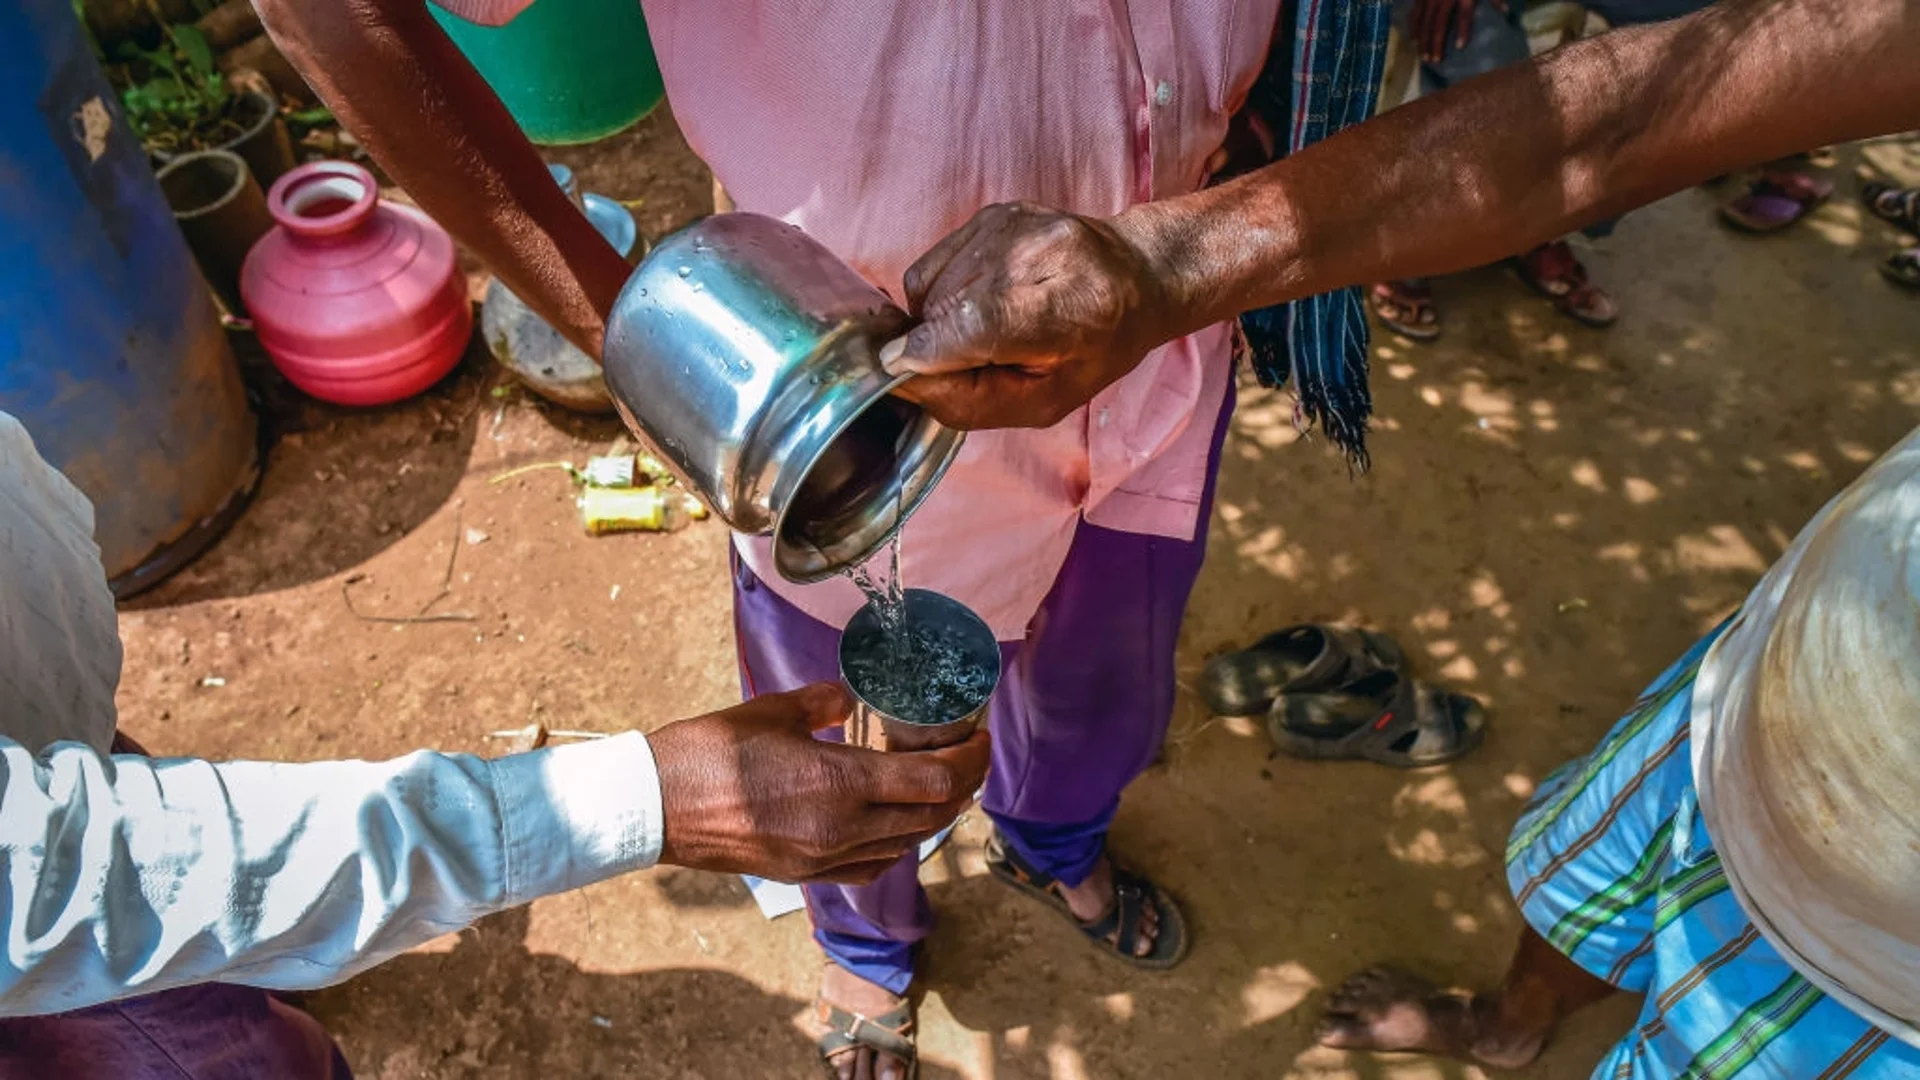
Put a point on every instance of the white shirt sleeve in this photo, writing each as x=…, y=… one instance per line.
x=124, y=875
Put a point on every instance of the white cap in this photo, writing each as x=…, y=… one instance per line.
x=1806, y=748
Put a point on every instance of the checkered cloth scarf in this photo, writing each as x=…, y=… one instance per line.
x=1329, y=81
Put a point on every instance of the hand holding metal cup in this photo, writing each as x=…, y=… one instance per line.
x=901, y=705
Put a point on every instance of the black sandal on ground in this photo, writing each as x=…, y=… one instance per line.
x=1130, y=895
x=1299, y=659
x=1894, y=205
x=1903, y=268
x=890, y=1033
x=1386, y=717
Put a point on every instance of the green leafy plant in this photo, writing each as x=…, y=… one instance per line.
x=80, y=13
x=179, y=101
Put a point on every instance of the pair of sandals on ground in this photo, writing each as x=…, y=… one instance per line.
x=1780, y=198
x=1327, y=693
x=1899, y=207
x=1407, y=306
x=1776, y=199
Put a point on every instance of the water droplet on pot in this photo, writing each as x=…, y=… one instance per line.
x=686, y=271
x=643, y=292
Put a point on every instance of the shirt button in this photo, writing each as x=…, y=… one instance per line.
x=1162, y=92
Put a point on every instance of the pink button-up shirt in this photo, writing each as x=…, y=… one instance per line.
x=879, y=127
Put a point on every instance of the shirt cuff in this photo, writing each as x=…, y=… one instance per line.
x=573, y=815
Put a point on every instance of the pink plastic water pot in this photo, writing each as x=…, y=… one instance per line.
x=358, y=301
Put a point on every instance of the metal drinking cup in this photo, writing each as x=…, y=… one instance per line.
x=872, y=726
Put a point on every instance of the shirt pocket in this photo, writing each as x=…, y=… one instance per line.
x=1232, y=39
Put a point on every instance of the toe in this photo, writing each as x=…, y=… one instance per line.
x=1149, y=930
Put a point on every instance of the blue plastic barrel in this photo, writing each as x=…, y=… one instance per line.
x=111, y=353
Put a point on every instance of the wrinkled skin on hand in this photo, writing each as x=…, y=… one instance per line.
x=1027, y=313
x=750, y=790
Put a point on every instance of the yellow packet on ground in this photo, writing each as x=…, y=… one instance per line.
x=610, y=510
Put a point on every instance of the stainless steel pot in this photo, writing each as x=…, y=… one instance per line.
x=870, y=725
x=747, y=353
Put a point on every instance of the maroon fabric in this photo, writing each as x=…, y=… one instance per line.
x=209, y=1032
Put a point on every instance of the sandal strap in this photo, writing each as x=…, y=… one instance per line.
x=1799, y=187
x=1903, y=267
x=1577, y=297
x=1556, y=264
x=1130, y=891
x=1122, y=920
x=889, y=1033
x=1441, y=725
x=1002, y=853
x=1903, y=207
x=1353, y=653
x=1130, y=904
x=1405, y=290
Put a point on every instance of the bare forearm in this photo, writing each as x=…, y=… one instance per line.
x=396, y=81
x=1531, y=152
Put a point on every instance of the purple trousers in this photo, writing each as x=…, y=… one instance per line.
x=1081, y=709
x=209, y=1032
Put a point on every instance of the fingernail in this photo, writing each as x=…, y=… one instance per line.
x=890, y=355
x=920, y=340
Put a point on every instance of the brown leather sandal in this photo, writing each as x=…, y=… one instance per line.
x=890, y=1033
x=1555, y=272
x=1118, y=931
x=1406, y=308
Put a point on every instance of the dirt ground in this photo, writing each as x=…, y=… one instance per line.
x=1553, y=515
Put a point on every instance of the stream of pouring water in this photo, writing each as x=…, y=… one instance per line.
x=888, y=597
x=917, y=672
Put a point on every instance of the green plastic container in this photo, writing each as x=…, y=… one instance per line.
x=570, y=71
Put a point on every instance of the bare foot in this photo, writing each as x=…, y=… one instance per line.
x=1556, y=272
x=1092, y=899
x=1390, y=1010
x=1407, y=308
x=853, y=994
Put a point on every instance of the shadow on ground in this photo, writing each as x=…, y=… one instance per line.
x=497, y=1009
